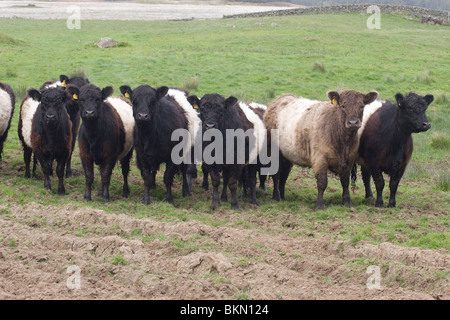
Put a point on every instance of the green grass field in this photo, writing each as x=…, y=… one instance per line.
x=256, y=60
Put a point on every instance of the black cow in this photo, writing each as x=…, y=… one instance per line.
x=105, y=136
x=7, y=104
x=51, y=133
x=74, y=113
x=386, y=142
x=222, y=114
x=158, y=113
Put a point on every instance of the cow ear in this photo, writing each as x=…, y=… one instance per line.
x=400, y=99
x=161, y=92
x=333, y=96
x=429, y=98
x=230, y=101
x=370, y=97
x=126, y=91
x=106, y=92
x=194, y=101
x=34, y=94
x=64, y=80
x=73, y=91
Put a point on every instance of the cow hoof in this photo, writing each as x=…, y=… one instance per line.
x=214, y=206
x=379, y=205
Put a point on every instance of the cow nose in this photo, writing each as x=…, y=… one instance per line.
x=89, y=113
x=426, y=125
x=353, y=123
x=50, y=116
x=142, y=116
x=209, y=126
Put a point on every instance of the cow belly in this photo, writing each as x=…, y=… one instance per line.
x=5, y=111
x=125, y=112
x=27, y=112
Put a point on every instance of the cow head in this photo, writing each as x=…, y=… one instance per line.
x=145, y=101
x=412, y=110
x=212, y=107
x=90, y=99
x=76, y=81
x=352, y=104
x=52, y=103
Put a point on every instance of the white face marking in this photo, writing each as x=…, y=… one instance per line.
x=125, y=112
x=5, y=110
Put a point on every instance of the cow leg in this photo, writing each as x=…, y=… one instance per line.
x=152, y=180
x=186, y=187
x=366, y=179
x=345, y=182
x=243, y=182
x=215, y=181
x=60, y=174
x=169, y=174
x=276, y=187
x=322, y=183
x=106, y=172
x=125, y=165
x=27, y=152
x=379, y=185
x=226, y=176
x=252, y=172
x=262, y=181
x=69, y=168
x=285, y=169
x=35, y=165
x=191, y=174
x=88, y=168
x=205, y=183
x=46, y=169
x=233, y=185
x=146, y=176
x=393, y=186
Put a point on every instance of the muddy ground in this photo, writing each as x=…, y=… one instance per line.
x=67, y=252
x=121, y=257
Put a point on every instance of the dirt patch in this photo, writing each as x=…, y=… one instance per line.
x=121, y=257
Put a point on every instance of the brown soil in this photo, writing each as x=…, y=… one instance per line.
x=121, y=257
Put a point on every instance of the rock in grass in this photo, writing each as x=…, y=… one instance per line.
x=106, y=43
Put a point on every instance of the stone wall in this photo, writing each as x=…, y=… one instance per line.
x=357, y=8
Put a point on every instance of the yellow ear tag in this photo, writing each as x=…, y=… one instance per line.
x=75, y=97
x=195, y=106
x=63, y=84
x=36, y=99
x=127, y=95
x=334, y=101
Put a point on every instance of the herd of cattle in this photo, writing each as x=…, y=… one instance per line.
x=350, y=128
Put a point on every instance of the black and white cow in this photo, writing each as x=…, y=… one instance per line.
x=158, y=113
x=386, y=142
x=105, y=136
x=7, y=104
x=49, y=132
x=222, y=114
